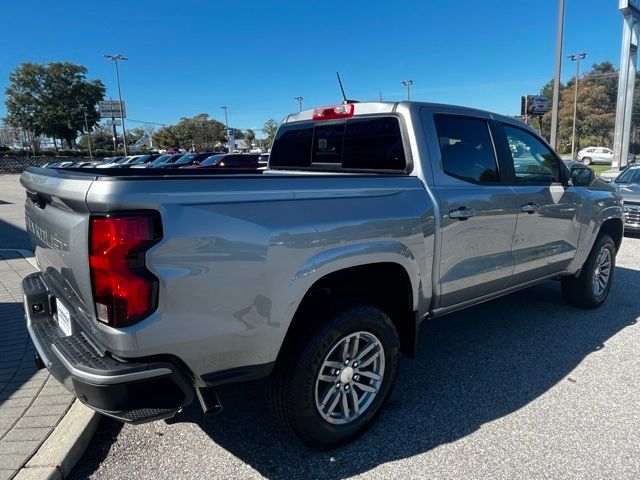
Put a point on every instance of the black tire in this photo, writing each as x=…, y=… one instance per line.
x=587, y=160
x=292, y=390
x=579, y=291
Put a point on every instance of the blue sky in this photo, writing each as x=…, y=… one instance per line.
x=193, y=56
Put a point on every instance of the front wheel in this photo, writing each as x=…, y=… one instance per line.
x=591, y=288
x=587, y=160
x=330, y=392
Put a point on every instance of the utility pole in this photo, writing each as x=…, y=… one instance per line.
x=86, y=127
x=299, y=99
x=115, y=133
x=556, y=78
x=226, y=122
x=407, y=83
x=114, y=59
x=575, y=58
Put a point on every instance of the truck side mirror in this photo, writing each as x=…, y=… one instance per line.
x=582, y=176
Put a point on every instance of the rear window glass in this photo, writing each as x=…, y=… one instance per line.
x=370, y=143
x=373, y=143
x=292, y=146
x=327, y=143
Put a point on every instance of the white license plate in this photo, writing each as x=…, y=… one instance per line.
x=64, y=319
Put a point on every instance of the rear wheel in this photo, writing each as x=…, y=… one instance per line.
x=591, y=288
x=329, y=391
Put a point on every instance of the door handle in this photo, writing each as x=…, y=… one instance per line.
x=462, y=213
x=530, y=207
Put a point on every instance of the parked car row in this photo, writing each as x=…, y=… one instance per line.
x=205, y=160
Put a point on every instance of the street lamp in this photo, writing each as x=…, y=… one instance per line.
x=115, y=58
x=407, y=83
x=299, y=99
x=226, y=122
x=575, y=58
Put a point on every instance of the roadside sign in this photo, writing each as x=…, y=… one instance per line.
x=534, y=105
x=111, y=109
x=231, y=135
x=111, y=123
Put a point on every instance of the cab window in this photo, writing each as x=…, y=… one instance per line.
x=466, y=148
x=533, y=162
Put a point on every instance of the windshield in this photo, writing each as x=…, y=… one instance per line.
x=122, y=160
x=186, y=158
x=161, y=159
x=140, y=160
x=629, y=176
x=212, y=160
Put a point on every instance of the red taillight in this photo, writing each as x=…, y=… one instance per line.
x=124, y=290
x=336, y=111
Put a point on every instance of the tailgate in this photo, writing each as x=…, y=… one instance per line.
x=57, y=220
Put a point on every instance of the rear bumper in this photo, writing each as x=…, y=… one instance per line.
x=132, y=391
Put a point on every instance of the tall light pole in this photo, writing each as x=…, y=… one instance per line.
x=556, y=77
x=575, y=58
x=299, y=99
x=226, y=122
x=407, y=83
x=115, y=58
x=86, y=128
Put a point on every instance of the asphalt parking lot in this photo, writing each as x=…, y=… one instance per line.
x=521, y=387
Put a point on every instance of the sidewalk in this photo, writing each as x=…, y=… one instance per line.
x=32, y=402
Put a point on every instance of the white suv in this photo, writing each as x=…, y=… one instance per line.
x=591, y=155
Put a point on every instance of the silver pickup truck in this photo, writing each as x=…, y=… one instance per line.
x=156, y=287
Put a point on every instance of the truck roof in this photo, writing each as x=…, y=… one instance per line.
x=368, y=108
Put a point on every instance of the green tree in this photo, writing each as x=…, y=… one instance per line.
x=594, y=119
x=238, y=133
x=270, y=127
x=52, y=99
x=250, y=136
x=597, y=95
x=165, y=137
x=101, y=139
x=197, y=133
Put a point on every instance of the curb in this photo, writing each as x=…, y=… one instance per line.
x=57, y=456
x=66, y=444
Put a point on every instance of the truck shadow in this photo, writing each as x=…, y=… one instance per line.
x=12, y=236
x=473, y=367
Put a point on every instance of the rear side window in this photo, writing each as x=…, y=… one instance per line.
x=368, y=143
x=467, y=149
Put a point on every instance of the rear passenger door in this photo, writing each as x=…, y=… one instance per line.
x=477, y=206
x=548, y=209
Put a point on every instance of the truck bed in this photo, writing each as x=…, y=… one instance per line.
x=230, y=242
